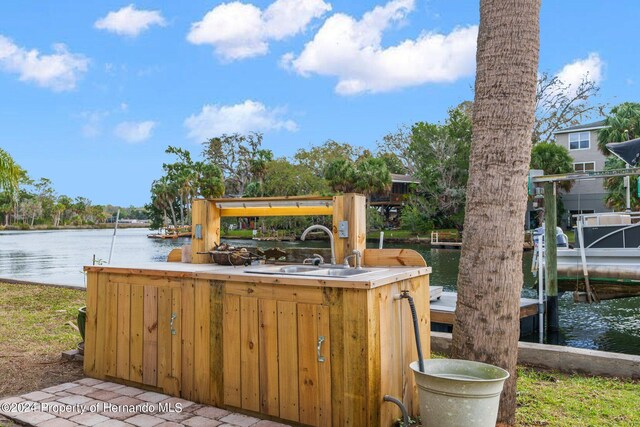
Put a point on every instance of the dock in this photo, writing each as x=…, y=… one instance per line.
x=453, y=240
x=443, y=308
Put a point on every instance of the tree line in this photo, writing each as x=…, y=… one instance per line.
x=25, y=202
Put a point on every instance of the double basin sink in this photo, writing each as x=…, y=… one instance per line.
x=323, y=270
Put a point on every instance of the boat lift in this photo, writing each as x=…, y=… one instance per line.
x=550, y=247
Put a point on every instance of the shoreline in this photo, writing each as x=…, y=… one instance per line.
x=41, y=227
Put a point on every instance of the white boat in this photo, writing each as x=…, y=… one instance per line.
x=608, y=247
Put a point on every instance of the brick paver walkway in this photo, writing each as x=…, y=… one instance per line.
x=91, y=402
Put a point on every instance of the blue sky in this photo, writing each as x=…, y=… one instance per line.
x=92, y=92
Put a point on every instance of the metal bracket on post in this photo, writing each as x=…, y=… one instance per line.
x=343, y=229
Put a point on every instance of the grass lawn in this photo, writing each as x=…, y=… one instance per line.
x=556, y=399
x=34, y=330
x=238, y=234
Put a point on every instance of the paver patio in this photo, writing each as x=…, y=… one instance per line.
x=91, y=402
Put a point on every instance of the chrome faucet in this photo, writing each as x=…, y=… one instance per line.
x=358, y=256
x=316, y=259
x=326, y=230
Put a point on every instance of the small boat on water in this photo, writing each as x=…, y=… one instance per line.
x=172, y=232
x=608, y=246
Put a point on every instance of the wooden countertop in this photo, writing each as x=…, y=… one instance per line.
x=379, y=277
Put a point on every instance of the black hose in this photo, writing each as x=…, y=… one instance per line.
x=416, y=330
x=405, y=414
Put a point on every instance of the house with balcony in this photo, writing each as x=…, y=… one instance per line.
x=586, y=196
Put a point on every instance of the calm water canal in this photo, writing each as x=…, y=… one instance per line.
x=58, y=257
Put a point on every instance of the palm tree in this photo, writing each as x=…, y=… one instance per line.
x=9, y=172
x=490, y=274
x=622, y=124
x=341, y=175
x=372, y=176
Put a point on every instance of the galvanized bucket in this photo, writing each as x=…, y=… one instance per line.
x=459, y=393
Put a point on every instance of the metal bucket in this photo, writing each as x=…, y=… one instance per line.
x=459, y=393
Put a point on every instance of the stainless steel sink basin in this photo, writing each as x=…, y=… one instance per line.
x=298, y=269
x=342, y=272
x=311, y=270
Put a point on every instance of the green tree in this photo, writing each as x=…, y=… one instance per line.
x=372, y=176
x=616, y=197
x=238, y=157
x=9, y=172
x=394, y=164
x=340, y=174
x=621, y=124
x=441, y=156
x=398, y=144
x=283, y=178
x=318, y=158
x=552, y=159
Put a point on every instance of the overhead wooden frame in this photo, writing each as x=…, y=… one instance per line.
x=346, y=210
x=274, y=206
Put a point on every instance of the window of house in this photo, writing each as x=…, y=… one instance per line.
x=584, y=166
x=579, y=141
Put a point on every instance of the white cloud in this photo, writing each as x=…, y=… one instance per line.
x=130, y=21
x=135, y=131
x=249, y=116
x=58, y=71
x=352, y=51
x=92, y=126
x=238, y=30
x=590, y=68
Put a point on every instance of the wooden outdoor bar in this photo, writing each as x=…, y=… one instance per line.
x=303, y=350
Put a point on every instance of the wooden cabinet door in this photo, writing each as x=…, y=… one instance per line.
x=276, y=358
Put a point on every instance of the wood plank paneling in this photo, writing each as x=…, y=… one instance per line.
x=216, y=361
x=101, y=326
x=393, y=258
x=308, y=364
x=373, y=374
x=136, y=337
x=124, y=330
x=174, y=387
x=164, y=338
x=304, y=294
x=391, y=362
x=90, y=325
x=201, y=342
x=335, y=301
x=150, y=337
x=249, y=360
x=188, y=319
x=268, y=351
x=111, y=331
x=231, y=350
x=355, y=348
x=324, y=368
x=288, y=360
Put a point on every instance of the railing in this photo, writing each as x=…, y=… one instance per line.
x=445, y=237
x=608, y=218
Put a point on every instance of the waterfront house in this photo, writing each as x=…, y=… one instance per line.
x=587, y=196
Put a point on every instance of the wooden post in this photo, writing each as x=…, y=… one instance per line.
x=551, y=256
x=205, y=229
x=350, y=207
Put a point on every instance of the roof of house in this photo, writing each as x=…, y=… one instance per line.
x=396, y=177
x=587, y=126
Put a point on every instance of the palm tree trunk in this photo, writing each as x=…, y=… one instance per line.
x=490, y=273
